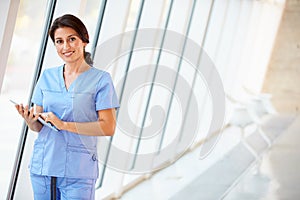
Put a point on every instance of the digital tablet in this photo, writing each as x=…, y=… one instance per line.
x=40, y=119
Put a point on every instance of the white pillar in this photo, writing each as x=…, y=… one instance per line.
x=8, y=16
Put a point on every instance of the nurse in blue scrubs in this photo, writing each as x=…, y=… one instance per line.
x=81, y=102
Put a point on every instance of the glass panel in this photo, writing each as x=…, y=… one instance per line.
x=122, y=14
x=210, y=47
x=237, y=50
x=17, y=83
x=146, y=59
x=154, y=16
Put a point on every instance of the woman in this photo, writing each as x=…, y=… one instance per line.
x=80, y=101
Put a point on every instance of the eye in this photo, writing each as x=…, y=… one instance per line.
x=72, y=39
x=58, y=41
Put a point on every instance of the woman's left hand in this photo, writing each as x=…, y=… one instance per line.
x=52, y=118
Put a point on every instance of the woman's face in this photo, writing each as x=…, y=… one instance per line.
x=68, y=45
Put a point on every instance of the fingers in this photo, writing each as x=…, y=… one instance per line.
x=31, y=111
x=26, y=113
x=20, y=109
x=44, y=115
x=36, y=116
x=50, y=117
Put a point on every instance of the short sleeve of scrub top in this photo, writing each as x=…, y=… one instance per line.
x=106, y=96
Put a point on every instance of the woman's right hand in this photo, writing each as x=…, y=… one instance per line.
x=29, y=117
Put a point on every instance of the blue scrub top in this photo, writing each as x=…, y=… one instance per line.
x=63, y=153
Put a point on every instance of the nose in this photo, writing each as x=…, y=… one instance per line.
x=66, y=45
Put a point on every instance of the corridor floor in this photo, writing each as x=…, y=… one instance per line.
x=231, y=172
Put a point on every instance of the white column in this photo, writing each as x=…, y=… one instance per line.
x=8, y=16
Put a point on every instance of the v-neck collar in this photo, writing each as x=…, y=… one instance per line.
x=62, y=80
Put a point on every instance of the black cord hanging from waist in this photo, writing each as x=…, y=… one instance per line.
x=53, y=188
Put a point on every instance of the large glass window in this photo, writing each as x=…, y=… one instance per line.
x=17, y=82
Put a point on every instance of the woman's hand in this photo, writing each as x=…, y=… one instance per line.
x=53, y=119
x=29, y=117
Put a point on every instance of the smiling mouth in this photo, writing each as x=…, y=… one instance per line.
x=69, y=53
